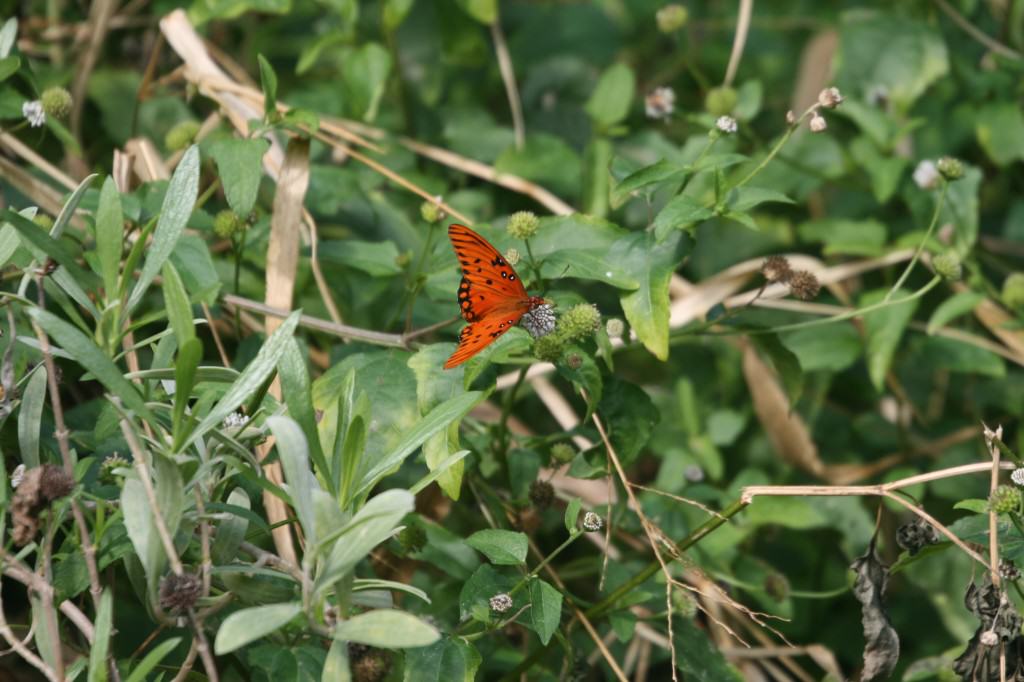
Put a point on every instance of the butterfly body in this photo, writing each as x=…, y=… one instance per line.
x=492, y=298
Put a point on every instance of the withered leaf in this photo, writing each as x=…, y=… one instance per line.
x=881, y=643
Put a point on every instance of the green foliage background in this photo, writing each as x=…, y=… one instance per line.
x=413, y=490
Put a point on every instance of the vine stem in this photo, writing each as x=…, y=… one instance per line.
x=920, y=246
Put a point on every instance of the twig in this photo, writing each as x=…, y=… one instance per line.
x=977, y=34
x=224, y=359
x=62, y=435
x=739, y=40
x=993, y=515
x=190, y=660
x=139, y=455
x=508, y=76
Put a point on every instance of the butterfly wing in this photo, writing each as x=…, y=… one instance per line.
x=476, y=336
x=488, y=282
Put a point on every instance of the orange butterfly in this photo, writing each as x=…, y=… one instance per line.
x=491, y=296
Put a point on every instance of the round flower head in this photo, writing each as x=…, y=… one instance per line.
x=660, y=103
x=539, y=321
x=579, y=321
x=592, y=522
x=512, y=256
x=790, y=117
x=562, y=453
x=1008, y=570
x=33, y=112
x=500, y=603
x=950, y=168
x=1018, y=476
x=614, y=327
x=804, y=285
x=721, y=101
x=181, y=135
x=776, y=269
x=726, y=124
x=948, y=266
x=44, y=221
x=830, y=98
x=926, y=175
x=548, y=348
x=179, y=592
x=56, y=102
x=523, y=224
x=235, y=420
x=1004, y=499
x=542, y=494
x=671, y=18
x=431, y=212
x=226, y=224
x=1013, y=290
x=818, y=123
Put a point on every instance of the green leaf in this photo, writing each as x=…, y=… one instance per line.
x=958, y=356
x=152, y=659
x=884, y=171
x=240, y=166
x=139, y=515
x=30, y=417
x=387, y=629
x=698, y=658
x=8, y=35
x=109, y=236
x=745, y=198
x=883, y=330
x=45, y=245
x=973, y=505
x=785, y=363
x=255, y=374
x=394, y=13
x=629, y=416
x=268, y=81
x=89, y=356
x=448, y=660
x=336, y=665
x=1000, y=130
x=586, y=375
x=952, y=308
x=377, y=259
x=248, y=625
x=438, y=418
x=611, y=99
x=365, y=72
x=434, y=385
x=189, y=356
x=101, y=639
x=841, y=236
x=179, y=310
x=9, y=241
x=545, y=609
x=882, y=49
x=9, y=66
x=661, y=173
x=832, y=347
x=962, y=208
x=502, y=547
x=294, y=455
x=486, y=582
x=572, y=513
x=484, y=11
x=174, y=215
x=372, y=525
x=231, y=530
x=651, y=264
x=680, y=213
x=596, y=179
x=546, y=159
x=297, y=395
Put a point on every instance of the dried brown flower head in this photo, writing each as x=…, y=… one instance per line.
x=776, y=269
x=804, y=285
x=179, y=592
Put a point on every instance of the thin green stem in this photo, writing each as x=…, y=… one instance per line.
x=775, y=150
x=921, y=245
x=537, y=569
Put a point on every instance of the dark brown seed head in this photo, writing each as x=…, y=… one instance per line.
x=776, y=269
x=804, y=285
x=542, y=494
x=179, y=592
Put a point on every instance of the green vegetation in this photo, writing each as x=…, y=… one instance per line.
x=764, y=423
